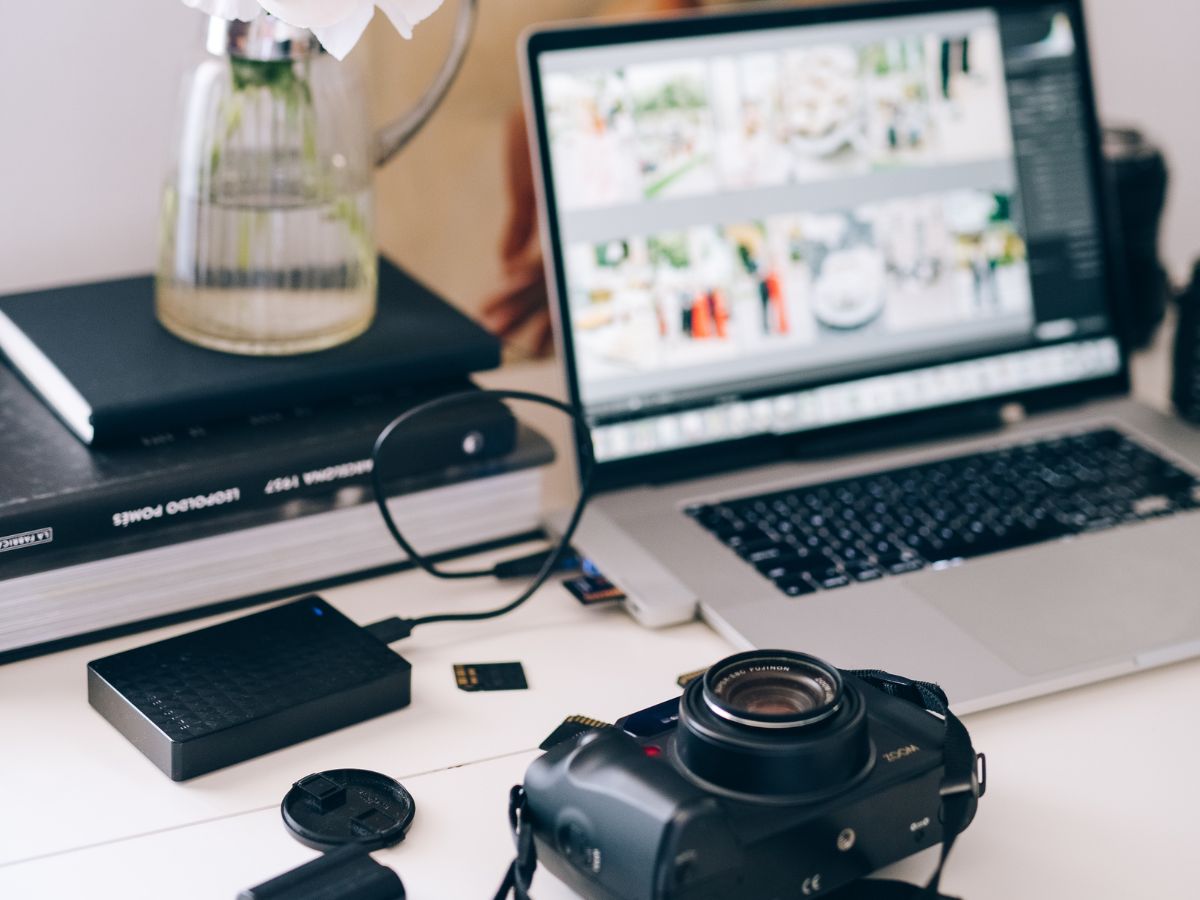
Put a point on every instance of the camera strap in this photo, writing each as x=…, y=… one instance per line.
x=965, y=780
x=520, y=874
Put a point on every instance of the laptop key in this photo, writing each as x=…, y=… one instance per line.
x=795, y=586
x=772, y=551
x=726, y=528
x=889, y=557
x=864, y=572
x=829, y=577
x=834, y=581
x=751, y=549
x=791, y=563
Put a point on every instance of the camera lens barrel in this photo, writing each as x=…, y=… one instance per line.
x=773, y=724
x=774, y=690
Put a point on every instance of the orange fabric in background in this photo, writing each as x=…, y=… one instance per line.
x=720, y=312
x=702, y=324
x=780, y=308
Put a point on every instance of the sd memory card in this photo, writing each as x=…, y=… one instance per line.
x=592, y=589
x=507, y=676
x=571, y=727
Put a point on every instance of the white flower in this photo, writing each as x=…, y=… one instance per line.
x=338, y=24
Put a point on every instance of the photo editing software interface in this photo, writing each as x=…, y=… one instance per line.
x=782, y=229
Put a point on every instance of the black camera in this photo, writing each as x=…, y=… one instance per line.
x=775, y=775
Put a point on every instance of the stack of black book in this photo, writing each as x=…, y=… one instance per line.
x=152, y=478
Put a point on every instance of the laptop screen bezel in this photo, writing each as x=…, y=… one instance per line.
x=672, y=464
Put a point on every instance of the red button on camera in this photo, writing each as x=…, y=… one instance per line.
x=652, y=751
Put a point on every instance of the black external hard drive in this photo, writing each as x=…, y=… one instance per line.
x=214, y=697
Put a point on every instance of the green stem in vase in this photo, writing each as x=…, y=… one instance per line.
x=288, y=84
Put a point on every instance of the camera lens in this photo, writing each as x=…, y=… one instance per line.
x=775, y=690
x=774, y=726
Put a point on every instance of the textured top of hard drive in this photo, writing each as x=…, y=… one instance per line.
x=248, y=668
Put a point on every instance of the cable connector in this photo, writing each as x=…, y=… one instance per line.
x=391, y=630
x=528, y=566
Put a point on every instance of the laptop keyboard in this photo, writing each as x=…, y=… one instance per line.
x=826, y=536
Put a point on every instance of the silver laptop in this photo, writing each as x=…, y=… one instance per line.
x=834, y=288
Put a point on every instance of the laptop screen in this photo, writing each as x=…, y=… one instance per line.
x=791, y=225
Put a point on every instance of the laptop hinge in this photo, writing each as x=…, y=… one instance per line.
x=874, y=435
x=898, y=431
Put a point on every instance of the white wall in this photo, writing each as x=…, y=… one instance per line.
x=88, y=92
x=87, y=97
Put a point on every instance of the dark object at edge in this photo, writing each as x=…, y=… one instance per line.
x=348, y=873
x=1185, y=384
x=1139, y=177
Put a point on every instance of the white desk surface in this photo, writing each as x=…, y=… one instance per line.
x=1091, y=794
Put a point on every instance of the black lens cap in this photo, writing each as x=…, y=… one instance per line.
x=348, y=806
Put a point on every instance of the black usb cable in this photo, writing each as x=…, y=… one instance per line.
x=541, y=565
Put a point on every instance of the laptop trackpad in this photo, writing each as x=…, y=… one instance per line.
x=1105, y=596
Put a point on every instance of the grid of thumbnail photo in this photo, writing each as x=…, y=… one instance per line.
x=688, y=127
x=712, y=293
